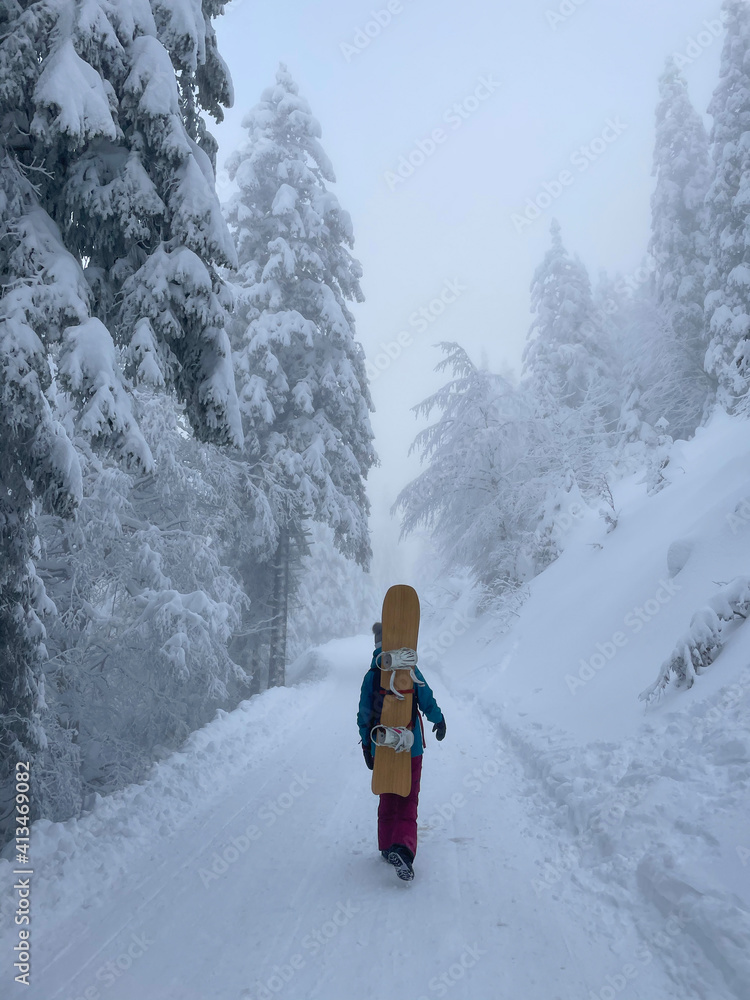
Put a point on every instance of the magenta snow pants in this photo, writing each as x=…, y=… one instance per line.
x=397, y=815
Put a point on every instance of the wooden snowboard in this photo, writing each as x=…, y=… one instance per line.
x=392, y=771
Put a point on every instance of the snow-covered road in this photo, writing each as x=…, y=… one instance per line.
x=262, y=879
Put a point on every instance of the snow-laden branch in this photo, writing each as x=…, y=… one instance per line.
x=704, y=640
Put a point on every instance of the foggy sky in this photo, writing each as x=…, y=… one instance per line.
x=515, y=91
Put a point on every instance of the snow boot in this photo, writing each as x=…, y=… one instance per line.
x=401, y=858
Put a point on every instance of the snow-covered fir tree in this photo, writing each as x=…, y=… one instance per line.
x=651, y=379
x=102, y=103
x=727, y=303
x=488, y=475
x=334, y=596
x=146, y=604
x=111, y=239
x=38, y=464
x=569, y=363
x=565, y=354
x=678, y=247
x=303, y=389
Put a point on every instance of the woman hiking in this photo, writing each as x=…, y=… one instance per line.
x=397, y=814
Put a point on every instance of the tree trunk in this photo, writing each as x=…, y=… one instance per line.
x=277, y=654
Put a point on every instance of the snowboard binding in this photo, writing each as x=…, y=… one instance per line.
x=399, y=659
x=399, y=738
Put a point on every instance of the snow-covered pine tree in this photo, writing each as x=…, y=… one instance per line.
x=569, y=364
x=104, y=167
x=610, y=298
x=43, y=295
x=679, y=247
x=101, y=104
x=334, y=596
x=563, y=356
x=652, y=386
x=146, y=604
x=483, y=491
x=727, y=305
x=44, y=301
x=304, y=394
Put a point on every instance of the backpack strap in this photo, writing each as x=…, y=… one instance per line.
x=378, y=696
x=376, y=705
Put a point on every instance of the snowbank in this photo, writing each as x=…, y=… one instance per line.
x=80, y=859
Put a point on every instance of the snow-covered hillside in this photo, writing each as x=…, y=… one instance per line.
x=652, y=800
x=574, y=842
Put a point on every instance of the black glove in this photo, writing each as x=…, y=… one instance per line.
x=439, y=729
x=367, y=754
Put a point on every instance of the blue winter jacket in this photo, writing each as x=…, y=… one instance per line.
x=425, y=701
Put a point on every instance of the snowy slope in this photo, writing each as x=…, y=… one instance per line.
x=619, y=584
x=656, y=797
